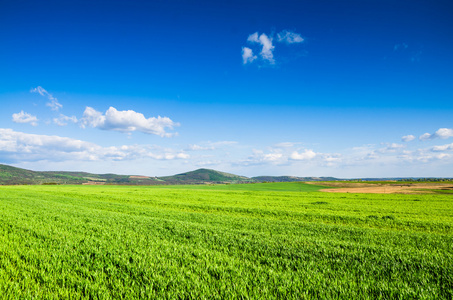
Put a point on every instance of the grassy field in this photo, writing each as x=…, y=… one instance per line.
x=270, y=186
x=221, y=242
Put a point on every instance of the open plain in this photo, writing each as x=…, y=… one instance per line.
x=221, y=242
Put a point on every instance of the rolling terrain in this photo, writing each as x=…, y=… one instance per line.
x=11, y=176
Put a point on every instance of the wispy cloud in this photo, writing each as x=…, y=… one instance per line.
x=390, y=148
x=285, y=145
x=53, y=102
x=19, y=146
x=416, y=56
x=24, y=117
x=413, y=53
x=442, y=133
x=408, y=138
x=265, y=42
x=289, y=37
x=448, y=147
x=247, y=55
x=126, y=121
x=204, y=146
x=402, y=46
x=63, y=120
x=196, y=147
x=259, y=157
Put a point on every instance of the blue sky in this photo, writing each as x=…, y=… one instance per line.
x=304, y=88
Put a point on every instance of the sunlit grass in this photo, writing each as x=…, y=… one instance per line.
x=115, y=242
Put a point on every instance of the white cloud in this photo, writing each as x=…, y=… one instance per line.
x=259, y=157
x=19, y=146
x=443, y=147
x=24, y=117
x=266, y=43
x=391, y=147
x=408, y=138
x=285, y=145
x=53, y=102
x=199, y=148
x=306, y=155
x=247, y=55
x=126, y=121
x=210, y=145
x=223, y=143
x=443, y=156
x=63, y=120
x=33, y=147
x=289, y=37
x=442, y=133
x=266, y=52
x=271, y=156
x=425, y=136
x=206, y=163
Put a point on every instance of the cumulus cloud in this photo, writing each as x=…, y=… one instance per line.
x=425, y=136
x=306, y=155
x=126, y=121
x=53, y=102
x=442, y=133
x=247, y=55
x=24, y=117
x=63, y=120
x=408, y=138
x=32, y=147
x=19, y=146
x=289, y=37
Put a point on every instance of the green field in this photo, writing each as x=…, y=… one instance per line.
x=270, y=186
x=221, y=242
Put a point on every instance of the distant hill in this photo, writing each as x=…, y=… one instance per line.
x=11, y=175
x=205, y=175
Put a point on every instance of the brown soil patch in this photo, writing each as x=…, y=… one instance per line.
x=93, y=183
x=410, y=188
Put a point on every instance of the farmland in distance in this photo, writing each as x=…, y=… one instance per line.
x=279, y=240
